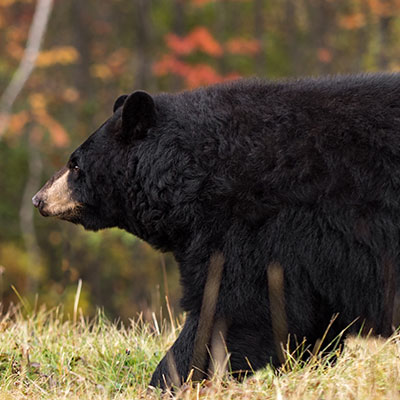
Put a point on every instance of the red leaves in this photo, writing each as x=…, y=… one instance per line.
x=199, y=39
x=200, y=3
x=169, y=64
x=193, y=75
x=383, y=8
x=352, y=21
x=324, y=55
x=243, y=46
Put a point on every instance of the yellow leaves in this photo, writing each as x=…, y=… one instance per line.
x=113, y=66
x=63, y=55
x=70, y=95
x=37, y=102
x=101, y=71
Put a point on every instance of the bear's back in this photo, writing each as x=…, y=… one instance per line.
x=300, y=141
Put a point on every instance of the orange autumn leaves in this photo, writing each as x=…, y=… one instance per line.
x=38, y=102
x=200, y=40
x=193, y=75
x=38, y=113
x=362, y=9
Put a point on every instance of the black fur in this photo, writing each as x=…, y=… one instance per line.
x=304, y=173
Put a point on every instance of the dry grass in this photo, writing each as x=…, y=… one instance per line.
x=42, y=357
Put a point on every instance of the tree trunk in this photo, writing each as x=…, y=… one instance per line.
x=259, y=30
x=321, y=15
x=384, y=36
x=178, y=27
x=82, y=40
x=143, y=27
x=26, y=214
x=294, y=55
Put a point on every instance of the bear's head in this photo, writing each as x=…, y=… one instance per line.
x=91, y=189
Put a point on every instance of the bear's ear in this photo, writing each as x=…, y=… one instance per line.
x=118, y=103
x=138, y=115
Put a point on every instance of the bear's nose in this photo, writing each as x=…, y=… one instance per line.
x=36, y=201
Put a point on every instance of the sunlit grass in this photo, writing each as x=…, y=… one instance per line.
x=43, y=355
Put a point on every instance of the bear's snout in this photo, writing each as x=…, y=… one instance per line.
x=55, y=197
x=36, y=200
x=39, y=203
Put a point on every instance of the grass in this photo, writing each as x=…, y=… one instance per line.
x=43, y=355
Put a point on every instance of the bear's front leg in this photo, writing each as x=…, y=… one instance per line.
x=174, y=368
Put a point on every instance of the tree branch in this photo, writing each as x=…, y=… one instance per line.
x=25, y=68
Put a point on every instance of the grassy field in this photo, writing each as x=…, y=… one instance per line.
x=44, y=355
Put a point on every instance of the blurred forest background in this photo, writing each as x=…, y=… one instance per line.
x=94, y=51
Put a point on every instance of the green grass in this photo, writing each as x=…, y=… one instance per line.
x=45, y=356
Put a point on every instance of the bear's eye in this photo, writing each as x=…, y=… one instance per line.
x=74, y=167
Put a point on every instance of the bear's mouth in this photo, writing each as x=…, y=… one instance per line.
x=43, y=212
x=68, y=215
x=55, y=199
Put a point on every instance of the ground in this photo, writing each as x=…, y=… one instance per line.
x=44, y=354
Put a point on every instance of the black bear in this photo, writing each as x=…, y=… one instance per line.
x=291, y=188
